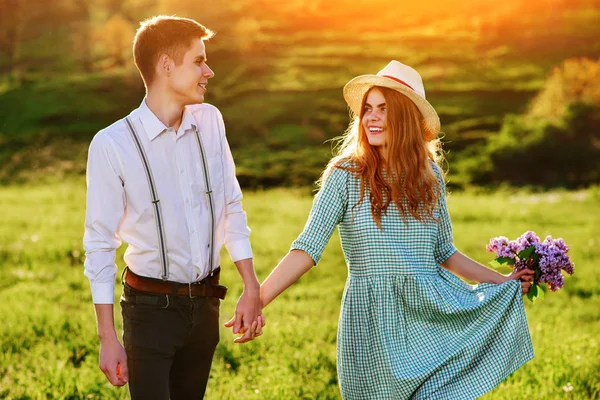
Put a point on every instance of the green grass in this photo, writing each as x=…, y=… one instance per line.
x=48, y=346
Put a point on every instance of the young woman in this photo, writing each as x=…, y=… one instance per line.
x=409, y=327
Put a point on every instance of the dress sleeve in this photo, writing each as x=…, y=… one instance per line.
x=327, y=211
x=444, y=247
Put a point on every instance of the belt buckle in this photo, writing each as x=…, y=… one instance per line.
x=190, y=291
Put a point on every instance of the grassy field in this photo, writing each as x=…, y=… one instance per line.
x=48, y=346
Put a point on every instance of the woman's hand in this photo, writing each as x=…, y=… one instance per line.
x=248, y=319
x=525, y=276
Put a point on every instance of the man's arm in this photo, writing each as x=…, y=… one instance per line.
x=105, y=206
x=113, y=360
x=237, y=242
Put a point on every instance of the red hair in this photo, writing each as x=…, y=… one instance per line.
x=409, y=179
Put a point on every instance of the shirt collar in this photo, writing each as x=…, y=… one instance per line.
x=154, y=126
x=187, y=120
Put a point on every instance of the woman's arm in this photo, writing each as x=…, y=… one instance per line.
x=466, y=268
x=295, y=264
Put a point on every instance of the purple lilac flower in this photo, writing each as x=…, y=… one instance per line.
x=569, y=266
x=555, y=281
x=527, y=239
x=502, y=246
x=496, y=243
x=560, y=243
x=520, y=265
x=513, y=246
x=542, y=249
x=553, y=259
x=557, y=254
x=549, y=258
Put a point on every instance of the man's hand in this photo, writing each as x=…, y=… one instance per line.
x=113, y=361
x=248, y=319
x=254, y=331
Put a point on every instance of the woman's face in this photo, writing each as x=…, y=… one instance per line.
x=374, y=119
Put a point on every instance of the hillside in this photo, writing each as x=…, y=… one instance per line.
x=279, y=77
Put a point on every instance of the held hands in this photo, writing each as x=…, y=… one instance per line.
x=525, y=276
x=248, y=319
x=113, y=361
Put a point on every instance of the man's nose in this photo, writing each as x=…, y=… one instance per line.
x=208, y=72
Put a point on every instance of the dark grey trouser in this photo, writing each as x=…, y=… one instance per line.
x=169, y=343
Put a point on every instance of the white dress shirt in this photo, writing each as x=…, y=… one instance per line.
x=119, y=204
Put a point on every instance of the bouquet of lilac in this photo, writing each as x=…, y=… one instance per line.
x=548, y=259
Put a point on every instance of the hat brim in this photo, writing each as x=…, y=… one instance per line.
x=355, y=90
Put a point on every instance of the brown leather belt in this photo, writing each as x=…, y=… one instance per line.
x=208, y=287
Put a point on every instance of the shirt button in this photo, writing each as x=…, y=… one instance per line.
x=181, y=170
x=187, y=201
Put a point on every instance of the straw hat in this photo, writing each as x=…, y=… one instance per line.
x=399, y=77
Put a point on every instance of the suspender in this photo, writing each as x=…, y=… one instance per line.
x=162, y=242
x=209, y=196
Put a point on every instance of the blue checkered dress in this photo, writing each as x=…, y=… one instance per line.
x=408, y=328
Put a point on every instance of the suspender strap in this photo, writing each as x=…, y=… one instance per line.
x=210, y=201
x=162, y=240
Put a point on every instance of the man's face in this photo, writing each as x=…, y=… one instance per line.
x=188, y=80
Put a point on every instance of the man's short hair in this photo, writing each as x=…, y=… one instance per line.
x=168, y=35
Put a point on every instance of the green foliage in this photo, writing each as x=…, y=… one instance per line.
x=68, y=73
x=575, y=81
x=46, y=126
x=535, y=292
x=48, y=343
x=556, y=143
x=543, y=153
x=526, y=253
x=499, y=261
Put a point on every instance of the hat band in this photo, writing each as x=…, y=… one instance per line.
x=399, y=81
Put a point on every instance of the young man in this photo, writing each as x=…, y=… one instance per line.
x=163, y=180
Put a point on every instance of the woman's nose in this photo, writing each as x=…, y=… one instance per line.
x=374, y=116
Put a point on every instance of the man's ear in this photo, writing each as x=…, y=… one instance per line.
x=165, y=65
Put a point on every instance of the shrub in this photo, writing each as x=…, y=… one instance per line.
x=556, y=143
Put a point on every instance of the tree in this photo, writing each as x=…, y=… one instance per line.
x=115, y=37
x=23, y=24
x=16, y=18
x=557, y=143
x=576, y=80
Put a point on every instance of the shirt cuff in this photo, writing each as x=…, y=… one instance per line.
x=239, y=250
x=103, y=293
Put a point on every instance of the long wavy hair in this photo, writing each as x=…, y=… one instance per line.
x=406, y=175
